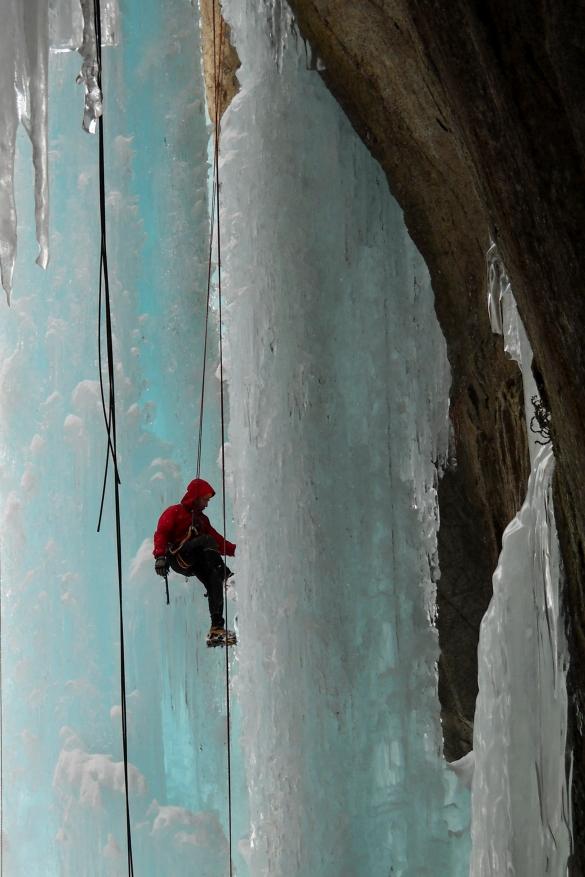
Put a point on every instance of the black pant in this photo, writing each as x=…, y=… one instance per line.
x=202, y=559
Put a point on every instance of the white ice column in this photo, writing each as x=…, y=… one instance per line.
x=521, y=811
x=520, y=793
x=338, y=400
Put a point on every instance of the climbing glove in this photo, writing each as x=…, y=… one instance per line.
x=161, y=566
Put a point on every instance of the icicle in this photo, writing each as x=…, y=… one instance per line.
x=280, y=24
x=520, y=791
x=66, y=24
x=27, y=29
x=34, y=117
x=9, y=41
x=506, y=321
x=89, y=69
x=23, y=97
x=502, y=308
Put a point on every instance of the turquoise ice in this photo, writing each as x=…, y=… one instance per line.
x=63, y=805
x=337, y=403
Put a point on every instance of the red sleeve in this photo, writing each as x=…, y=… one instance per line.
x=163, y=532
x=225, y=547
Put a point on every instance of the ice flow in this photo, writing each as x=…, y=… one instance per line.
x=521, y=821
x=338, y=420
x=338, y=399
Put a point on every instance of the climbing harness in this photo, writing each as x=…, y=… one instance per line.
x=110, y=422
x=175, y=549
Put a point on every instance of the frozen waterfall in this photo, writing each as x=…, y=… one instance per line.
x=338, y=416
x=337, y=383
x=521, y=800
x=62, y=735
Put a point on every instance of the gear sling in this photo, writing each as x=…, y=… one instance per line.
x=197, y=554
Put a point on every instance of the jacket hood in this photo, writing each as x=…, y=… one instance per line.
x=195, y=490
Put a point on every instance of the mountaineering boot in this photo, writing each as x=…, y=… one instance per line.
x=219, y=636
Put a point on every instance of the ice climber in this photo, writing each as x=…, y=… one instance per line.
x=186, y=542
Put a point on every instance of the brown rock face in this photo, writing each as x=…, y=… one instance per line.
x=476, y=112
x=220, y=59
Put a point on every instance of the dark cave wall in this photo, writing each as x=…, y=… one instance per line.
x=475, y=110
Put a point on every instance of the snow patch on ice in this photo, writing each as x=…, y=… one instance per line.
x=85, y=775
x=37, y=444
x=86, y=395
x=112, y=849
x=142, y=562
x=463, y=768
x=28, y=481
x=203, y=828
x=74, y=429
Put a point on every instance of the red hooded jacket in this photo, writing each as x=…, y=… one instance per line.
x=174, y=523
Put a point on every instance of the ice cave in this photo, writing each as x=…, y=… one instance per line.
x=325, y=256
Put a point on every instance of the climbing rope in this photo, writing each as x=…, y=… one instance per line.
x=109, y=411
x=1, y=737
x=215, y=230
x=110, y=421
x=217, y=61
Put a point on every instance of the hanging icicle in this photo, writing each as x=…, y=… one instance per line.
x=23, y=98
x=28, y=31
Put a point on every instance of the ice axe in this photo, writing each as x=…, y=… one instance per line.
x=167, y=587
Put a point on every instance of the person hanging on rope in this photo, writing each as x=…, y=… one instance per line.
x=186, y=542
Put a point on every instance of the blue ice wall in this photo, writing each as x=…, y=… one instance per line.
x=338, y=386
x=62, y=796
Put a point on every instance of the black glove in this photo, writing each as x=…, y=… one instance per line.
x=161, y=566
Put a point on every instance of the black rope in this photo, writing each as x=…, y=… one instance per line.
x=111, y=421
x=227, y=664
x=1, y=736
x=204, y=368
x=223, y=492
x=217, y=60
x=107, y=417
x=214, y=193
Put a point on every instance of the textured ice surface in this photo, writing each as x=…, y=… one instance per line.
x=63, y=806
x=521, y=810
x=338, y=385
